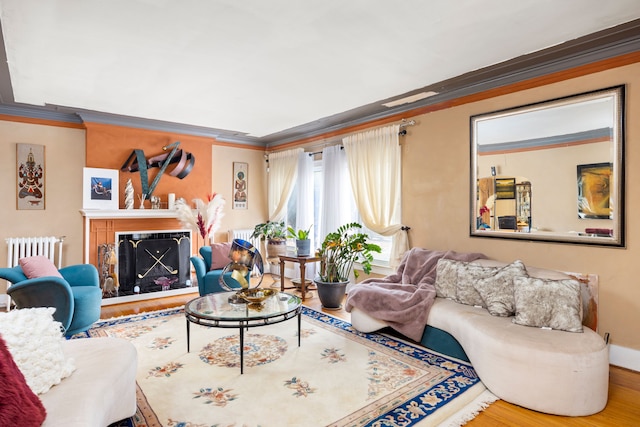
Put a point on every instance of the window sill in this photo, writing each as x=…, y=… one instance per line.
x=378, y=267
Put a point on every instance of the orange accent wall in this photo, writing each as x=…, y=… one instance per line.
x=109, y=146
x=103, y=231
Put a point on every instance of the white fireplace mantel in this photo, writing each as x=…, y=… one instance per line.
x=128, y=213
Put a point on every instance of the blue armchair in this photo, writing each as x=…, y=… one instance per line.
x=209, y=280
x=76, y=296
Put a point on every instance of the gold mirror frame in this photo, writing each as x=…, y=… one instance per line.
x=587, y=138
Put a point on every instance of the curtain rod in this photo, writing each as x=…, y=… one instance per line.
x=403, y=132
x=320, y=152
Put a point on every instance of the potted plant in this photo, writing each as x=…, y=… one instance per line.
x=303, y=243
x=275, y=235
x=339, y=251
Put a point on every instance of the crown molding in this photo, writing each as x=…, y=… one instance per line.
x=603, y=45
x=169, y=127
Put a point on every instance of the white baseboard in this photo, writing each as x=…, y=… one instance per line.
x=3, y=300
x=624, y=357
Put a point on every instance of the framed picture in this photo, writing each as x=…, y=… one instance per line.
x=100, y=188
x=240, y=185
x=30, y=190
x=505, y=188
x=594, y=190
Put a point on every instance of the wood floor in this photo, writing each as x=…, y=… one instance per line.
x=623, y=408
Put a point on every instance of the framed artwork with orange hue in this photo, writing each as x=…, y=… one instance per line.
x=594, y=190
x=31, y=177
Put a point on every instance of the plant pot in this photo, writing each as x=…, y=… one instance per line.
x=303, y=247
x=276, y=247
x=331, y=294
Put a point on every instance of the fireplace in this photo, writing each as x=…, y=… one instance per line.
x=153, y=261
x=108, y=227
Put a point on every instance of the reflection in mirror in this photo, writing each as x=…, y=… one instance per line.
x=551, y=171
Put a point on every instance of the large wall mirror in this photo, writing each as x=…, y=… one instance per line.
x=551, y=171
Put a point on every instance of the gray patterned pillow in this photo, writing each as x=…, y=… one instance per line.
x=446, y=278
x=548, y=303
x=473, y=273
x=468, y=274
x=497, y=290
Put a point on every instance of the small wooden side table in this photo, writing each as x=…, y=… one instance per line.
x=302, y=260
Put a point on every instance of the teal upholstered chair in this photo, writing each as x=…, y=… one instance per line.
x=209, y=280
x=76, y=296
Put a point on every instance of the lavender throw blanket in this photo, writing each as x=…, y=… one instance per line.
x=404, y=299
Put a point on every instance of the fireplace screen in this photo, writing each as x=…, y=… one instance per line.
x=151, y=262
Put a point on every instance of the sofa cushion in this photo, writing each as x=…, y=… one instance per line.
x=38, y=266
x=446, y=278
x=467, y=276
x=35, y=342
x=19, y=405
x=497, y=290
x=547, y=303
x=220, y=255
x=101, y=391
x=471, y=273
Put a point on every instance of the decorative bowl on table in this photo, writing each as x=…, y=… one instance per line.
x=255, y=297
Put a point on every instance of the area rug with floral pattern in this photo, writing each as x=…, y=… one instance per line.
x=336, y=377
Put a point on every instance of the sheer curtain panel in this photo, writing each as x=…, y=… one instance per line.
x=283, y=171
x=336, y=200
x=304, y=207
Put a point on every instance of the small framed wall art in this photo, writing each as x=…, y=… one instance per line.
x=505, y=188
x=594, y=188
x=100, y=188
x=31, y=177
x=240, y=185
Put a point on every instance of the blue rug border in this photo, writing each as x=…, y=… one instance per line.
x=409, y=413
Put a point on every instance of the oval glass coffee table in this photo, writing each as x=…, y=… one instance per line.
x=220, y=311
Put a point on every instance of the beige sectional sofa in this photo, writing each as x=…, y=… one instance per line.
x=547, y=370
x=101, y=390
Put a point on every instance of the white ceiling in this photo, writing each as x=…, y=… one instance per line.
x=263, y=66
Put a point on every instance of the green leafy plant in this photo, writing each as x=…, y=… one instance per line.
x=270, y=230
x=341, y=249
x=300, y=234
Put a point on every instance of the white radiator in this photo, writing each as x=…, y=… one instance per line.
x=20, y=247
x=244, y=234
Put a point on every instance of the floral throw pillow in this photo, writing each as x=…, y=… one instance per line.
x=546, y=303
x=497, y=290
x=446, y=278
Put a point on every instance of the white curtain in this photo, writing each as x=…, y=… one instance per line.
x=304, y=206
x=375, y=167
x=336, y=205
x=283, y=171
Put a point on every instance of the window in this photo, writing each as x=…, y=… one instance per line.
x=382, y=241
